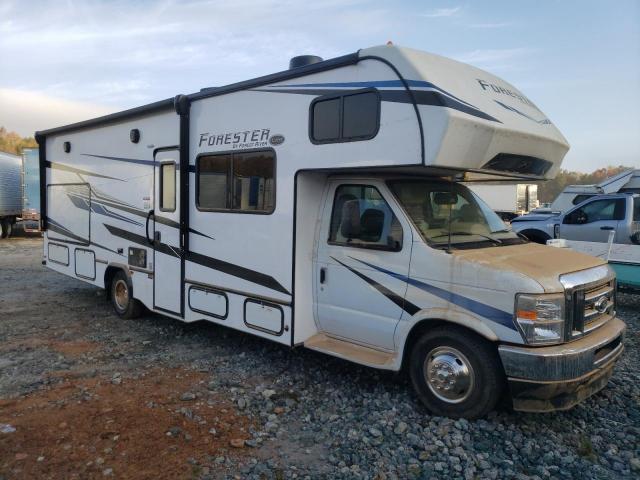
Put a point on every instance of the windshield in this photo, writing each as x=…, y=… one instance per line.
x=435, y=205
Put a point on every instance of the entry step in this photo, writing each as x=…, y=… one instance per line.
x=351, y=351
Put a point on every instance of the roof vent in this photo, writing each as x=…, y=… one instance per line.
x=303, y=61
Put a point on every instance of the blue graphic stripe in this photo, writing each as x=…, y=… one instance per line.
x=479, y=308
x=136, y=161
x=544, y=121
x=378, y=84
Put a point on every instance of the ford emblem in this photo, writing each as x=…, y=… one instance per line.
x=602, y=304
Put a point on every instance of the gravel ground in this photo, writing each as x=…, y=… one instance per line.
x=308, y=415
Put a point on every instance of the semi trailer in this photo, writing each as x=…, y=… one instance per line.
x=10, y=192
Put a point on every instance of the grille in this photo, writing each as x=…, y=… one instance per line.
x=593, y=306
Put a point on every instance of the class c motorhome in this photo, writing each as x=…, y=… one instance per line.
x=323, y=207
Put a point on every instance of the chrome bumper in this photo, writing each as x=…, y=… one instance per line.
x=552, y=378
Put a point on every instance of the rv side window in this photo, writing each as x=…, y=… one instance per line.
x=362, y=218
x=238, y=182
x=168, y=187
x=345, y=118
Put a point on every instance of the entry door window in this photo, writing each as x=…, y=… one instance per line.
x=362, y=218
x=168, y=187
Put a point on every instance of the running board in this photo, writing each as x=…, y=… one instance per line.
x=350, y=351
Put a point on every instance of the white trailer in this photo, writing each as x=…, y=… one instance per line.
x=321, y=207
x=508, y=200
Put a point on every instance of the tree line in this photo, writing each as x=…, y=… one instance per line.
x=11, y=142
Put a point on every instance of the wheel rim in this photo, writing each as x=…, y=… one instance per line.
x=449, y=374
x=121, y=295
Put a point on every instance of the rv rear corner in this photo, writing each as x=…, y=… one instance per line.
x=340, y=223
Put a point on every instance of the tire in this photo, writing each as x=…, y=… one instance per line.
x=123, y=303
x=9, y=228
x=471, y=359
x=4, y=223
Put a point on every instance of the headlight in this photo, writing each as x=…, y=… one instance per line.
x=541, y=318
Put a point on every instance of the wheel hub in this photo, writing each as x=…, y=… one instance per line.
x=121, y=295
x=449, y=374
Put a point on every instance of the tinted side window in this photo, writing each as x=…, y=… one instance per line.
x=596, y=211
x=345, y=118
x=168, y=187
x=636, y=209
x=213, y=173
x=362, y=218
x=253, y=182
x=326, y=120
x=237, y=182
x=360, y=118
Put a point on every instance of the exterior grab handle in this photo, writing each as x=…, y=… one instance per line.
x=146, y=227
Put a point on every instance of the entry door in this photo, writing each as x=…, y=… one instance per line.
x=362, y=245
x=167, y=278
x=593, y=221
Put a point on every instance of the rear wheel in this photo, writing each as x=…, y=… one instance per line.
x=121, y=297
x=456, y=373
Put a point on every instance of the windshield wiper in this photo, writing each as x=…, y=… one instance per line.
x=506, y=230
x=491, y=239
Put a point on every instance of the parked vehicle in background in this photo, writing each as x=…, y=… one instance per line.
x=590, y=221
x=10, y=191
x=508, y=200
x=31, y=189
x=624, y=182
x=322, y=206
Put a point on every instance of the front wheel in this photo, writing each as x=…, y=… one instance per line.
x=121, y=297
x=456, y=373
x=6, y=228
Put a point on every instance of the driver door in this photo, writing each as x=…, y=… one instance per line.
x=361, y=241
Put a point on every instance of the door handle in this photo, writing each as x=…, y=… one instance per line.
x=146, y=227
x=607, y=228
x=323, y=275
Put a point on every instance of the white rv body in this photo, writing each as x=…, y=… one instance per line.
x=261, y=262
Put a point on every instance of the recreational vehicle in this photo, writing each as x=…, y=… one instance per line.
x=323, y=207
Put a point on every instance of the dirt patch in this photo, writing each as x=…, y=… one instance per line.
x=156, y=426
x=73, y=348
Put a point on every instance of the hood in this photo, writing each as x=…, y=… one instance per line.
x=539, y=262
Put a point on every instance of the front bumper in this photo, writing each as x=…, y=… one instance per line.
x=546, y=379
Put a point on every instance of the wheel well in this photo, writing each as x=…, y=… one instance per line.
x=109, y=273
x=424, y=325
x=537, y=236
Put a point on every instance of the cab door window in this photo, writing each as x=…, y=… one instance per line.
x=598, y=210
x=362, y=218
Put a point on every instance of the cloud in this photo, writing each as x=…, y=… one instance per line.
x=491, y=25
x=495, y=60
x=442, y=12
x=26, y=111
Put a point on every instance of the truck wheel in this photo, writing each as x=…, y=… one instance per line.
x=9, y=228
x=123, y=303
x=456, y=373
x=4, y=223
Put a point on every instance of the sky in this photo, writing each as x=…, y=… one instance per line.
x=69, y=60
